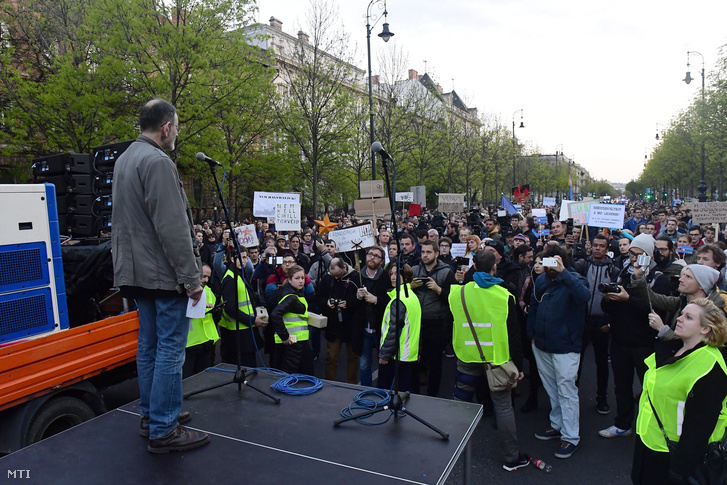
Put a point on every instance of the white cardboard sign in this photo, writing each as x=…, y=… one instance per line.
x=355, y=237
x=246, y=236
x=458, y=250
x=606, y=215
x=405, y=197
x=549, y=201
x=263, y=203
x=287, y=216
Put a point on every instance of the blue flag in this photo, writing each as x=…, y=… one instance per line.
x=509, y=207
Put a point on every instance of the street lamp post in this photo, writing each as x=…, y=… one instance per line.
x=702, y=183
x=385, y=34
x=522, y=125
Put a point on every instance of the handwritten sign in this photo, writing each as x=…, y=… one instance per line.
x=371, y=188
x=263, y=203
x=246, y=236
x=549, y=201
x=287, y=216
x=579, y=212
x=606, y=215
x=458, y=250
x=709, y=212
x=355, y=237
x=405, y=197
x=451, y=202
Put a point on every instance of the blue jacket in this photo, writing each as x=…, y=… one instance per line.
x=557, y=312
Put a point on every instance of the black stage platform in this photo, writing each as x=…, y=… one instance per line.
x=253, y=440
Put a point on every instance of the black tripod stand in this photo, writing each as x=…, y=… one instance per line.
x=241, y=373
x=397, y=402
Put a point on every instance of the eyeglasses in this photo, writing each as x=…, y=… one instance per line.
x=374, y=256
x=632, y=253
x=661, y=250
x=289, y=262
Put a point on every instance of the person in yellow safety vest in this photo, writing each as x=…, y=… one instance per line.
x=200, y=351
x=404, y=315
x=289, y=319
x=685, y=386
x=493, y=311
x=239, y=305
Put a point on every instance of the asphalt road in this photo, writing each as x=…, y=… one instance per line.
x=597, y=460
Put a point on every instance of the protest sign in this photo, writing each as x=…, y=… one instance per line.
x=606, y=215
x=263, y=203
x=579, y=212
x=540, y=214
x=451, y=202
x=287, y=216
x=458, y=250
x=415, y=209
x=420, y=194
x=549, y=201
x=366, y=208
x=355, y=237
x=371, y=188
x=246, y=236
x=405, y=197
x=708, y=212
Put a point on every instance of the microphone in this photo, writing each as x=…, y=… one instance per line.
x=377, y=148
x=204, y=158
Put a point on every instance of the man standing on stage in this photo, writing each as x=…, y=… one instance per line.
x=159, y=270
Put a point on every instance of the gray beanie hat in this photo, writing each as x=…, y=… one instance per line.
x=706, y=277
x=644, y=242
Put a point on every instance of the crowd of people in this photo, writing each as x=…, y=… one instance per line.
x=590, y=291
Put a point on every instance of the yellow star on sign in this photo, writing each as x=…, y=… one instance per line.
x=325, y=226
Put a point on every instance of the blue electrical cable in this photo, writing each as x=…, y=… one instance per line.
x=285, y=385
x=363, y=401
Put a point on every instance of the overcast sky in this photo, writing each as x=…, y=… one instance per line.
x=593, y=78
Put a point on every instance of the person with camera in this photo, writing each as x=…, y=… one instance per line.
x=632, y=339
x=599, y=270
x=497, y=343
x=373, y=296
x=555, y=325
x=431, y=284
x=682, y=412
x=337, y=300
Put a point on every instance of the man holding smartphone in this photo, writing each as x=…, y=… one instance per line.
x=556, y=319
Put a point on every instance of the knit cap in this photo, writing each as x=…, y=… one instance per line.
x=706, y=277
x=644, y=242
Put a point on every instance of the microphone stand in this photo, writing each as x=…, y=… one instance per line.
x=241, y=373
x=397, y=402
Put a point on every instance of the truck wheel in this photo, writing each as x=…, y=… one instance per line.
x=58, y=415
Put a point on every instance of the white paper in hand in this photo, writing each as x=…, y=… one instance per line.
x=198, y=310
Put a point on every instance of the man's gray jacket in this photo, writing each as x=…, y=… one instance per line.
x=153, y=240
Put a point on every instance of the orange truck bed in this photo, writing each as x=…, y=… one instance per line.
x=31, y=368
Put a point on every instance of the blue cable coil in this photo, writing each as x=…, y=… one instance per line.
x=364, y=401
x=286, y=385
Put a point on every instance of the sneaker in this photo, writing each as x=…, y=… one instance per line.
x=547, y=435
x=521, y=462
x=602, y=405
x=613, y=432
x=565, y=450
x=178, y=439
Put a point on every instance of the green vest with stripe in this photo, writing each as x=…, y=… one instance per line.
x=295, y=323
x=409, y=339
x=243, y=304
x=668, y=386
x=488, y=308
x=204, y=329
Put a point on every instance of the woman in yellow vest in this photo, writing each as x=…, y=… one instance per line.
x=239, y=305
x=405, y=314
x=685, y=386
x=289, y=319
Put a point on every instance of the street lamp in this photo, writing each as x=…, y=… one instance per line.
x=702, y=183
x=522, y=125
x=385, y=34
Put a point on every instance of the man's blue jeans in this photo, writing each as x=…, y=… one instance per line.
x=163, y=329
x=370, y=343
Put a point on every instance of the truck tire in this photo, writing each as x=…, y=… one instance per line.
x=58, y=414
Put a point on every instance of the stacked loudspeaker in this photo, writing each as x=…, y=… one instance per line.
x=83, y=188
x=32, y=289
